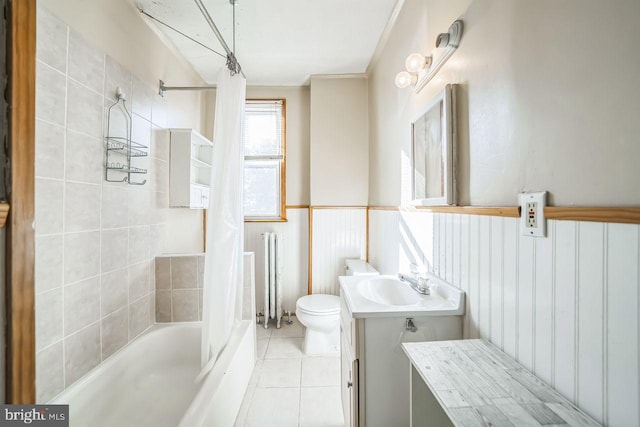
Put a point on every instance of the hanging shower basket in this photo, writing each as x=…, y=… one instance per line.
x=120, y=148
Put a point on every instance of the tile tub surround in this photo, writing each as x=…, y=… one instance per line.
x=178, y=285
x=95, y=241
x=288, y=388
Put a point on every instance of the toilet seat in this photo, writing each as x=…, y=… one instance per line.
x=319, y=304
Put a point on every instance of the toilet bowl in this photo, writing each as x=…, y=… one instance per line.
x=320, y=314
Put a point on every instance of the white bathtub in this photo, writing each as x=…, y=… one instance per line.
x=151, y=382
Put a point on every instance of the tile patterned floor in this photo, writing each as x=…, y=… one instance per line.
x=288, y=388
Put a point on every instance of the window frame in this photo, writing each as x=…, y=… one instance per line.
x=282, y=217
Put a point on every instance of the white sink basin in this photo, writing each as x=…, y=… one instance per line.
x=387, y=296
x=389, y=291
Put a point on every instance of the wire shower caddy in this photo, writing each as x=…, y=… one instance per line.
x=121, y=148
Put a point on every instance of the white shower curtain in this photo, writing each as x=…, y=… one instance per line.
x=223, y=269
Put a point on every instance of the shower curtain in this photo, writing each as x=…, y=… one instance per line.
x=223, y=268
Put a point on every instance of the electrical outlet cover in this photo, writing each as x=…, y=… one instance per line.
x=532, y=220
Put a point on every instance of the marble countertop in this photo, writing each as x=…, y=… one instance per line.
x=478, y=385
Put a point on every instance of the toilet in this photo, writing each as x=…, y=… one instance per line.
x=320, y=314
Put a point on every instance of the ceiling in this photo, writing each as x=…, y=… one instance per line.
x=278, y=42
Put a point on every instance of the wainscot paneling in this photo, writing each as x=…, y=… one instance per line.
x=565, y=306
x=296, y=253
x=337, y=234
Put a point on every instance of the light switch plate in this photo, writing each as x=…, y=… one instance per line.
x=532, y=220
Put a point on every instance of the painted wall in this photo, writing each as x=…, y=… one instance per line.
x=536, y=112
x=339, y=141
x=546, y=100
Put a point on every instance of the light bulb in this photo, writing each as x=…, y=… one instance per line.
x=405, y=79
x=415, y=62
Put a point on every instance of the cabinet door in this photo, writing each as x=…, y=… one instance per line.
x=349, y=386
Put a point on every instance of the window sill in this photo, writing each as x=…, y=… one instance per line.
x=265, y=220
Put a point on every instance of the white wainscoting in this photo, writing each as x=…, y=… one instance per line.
x=566, y=306
x=296, y=255
x=338, y=234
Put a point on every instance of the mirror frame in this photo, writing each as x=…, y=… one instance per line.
x=448, y=145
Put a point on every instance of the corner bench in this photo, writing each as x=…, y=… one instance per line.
x=473, y=383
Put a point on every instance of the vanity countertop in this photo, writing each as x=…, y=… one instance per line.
x=444, y=300
x=477, y=384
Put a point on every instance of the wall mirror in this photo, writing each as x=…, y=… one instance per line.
x=433, y=152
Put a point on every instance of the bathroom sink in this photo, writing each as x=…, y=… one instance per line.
x=386, y=290
x=388, y=296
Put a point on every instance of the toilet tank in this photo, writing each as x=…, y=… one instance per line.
x=359, y=267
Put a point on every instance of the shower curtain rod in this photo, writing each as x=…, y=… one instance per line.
x=232, y=62
x=162, y=88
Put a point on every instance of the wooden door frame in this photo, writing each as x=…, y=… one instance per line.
x=20, y=381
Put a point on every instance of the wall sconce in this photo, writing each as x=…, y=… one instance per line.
x=421, y=68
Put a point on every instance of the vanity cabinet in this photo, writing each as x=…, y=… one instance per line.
x=191, y=156
x=375, y=371
x=349, y=367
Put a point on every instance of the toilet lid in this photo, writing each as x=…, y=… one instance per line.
x=319, y=303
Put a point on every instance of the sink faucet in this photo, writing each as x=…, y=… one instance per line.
x=418, y=284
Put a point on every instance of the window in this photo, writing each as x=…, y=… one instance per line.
x=264, y=160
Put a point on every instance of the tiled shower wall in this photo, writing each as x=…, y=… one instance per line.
x=179, y=280
x=95, y=240
x=565, y=306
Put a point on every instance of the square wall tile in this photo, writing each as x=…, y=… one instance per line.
x=115, y=249
x=141, y=131
x=163, y=306
x=48, y=318
x=86, y=64
x=81, y=352
x=142, y=99
x=116, y=76
x=160, y=145
x=160, y=111
x=84, y=110
x=50, y=142
x=81, y=304
x=138, y=317
x=115, y=207
x=48, y=206
x=82, y=207
x=51, y=39
x=114, y=292
x=81, y=256
x=185, y=305
x=138, y=244
x=184, y=272
x=138, y=280
x=200, y=271
x=50, y=94
x=49, y=373
x=115, y=331
x=84, y=158
x=139, y=205
x=157, y=240
x=48, y=272
x=163, y=273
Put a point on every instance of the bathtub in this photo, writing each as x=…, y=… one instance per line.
x=150, y=382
